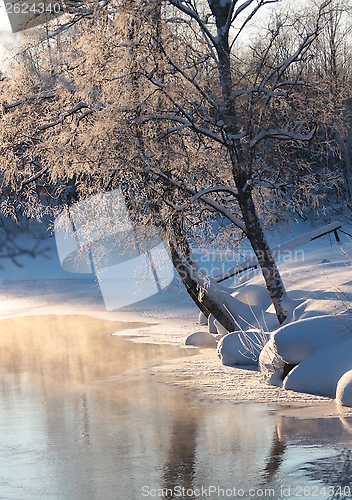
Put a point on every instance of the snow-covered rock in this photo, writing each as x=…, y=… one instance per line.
x=320, y=373
x=271, y=364
x=253, y=295
x=297, y=341
x=344, y=389
x=201, y=339
x=240, y=348
x=203, y=320
x=211, y=325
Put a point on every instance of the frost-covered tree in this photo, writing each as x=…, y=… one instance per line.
x=333, y=64
x=191, y=107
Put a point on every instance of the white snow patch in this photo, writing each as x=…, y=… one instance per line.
x=241, y=349
x=297, y=341
x=203, y=320
x=211, y=324
x=201, y=339
x=253, y=295
x=320, y=373
x=344, y=389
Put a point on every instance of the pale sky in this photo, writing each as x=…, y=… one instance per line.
x=9, y=40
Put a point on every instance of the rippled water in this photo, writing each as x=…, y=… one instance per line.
x=82, y=417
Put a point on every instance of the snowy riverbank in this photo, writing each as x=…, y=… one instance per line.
x=319, y=279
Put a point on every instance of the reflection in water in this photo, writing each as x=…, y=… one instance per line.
x=75, y=403
x=276, y=456
x=314, y=462
x=335, y=473
x=82, y=417
x=180, y=465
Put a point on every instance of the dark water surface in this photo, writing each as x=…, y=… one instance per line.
x=82, y=417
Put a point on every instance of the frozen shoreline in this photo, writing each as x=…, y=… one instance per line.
x=42, y=288
x=202, y=372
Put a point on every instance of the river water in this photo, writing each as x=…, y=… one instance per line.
x=82, y=416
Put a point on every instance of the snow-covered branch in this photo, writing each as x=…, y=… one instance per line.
x=240, y=9
x=281, y=134
x=304, y=45
x=66, y=114
x=30, y=97
x=205, y=199
x=185, y=123
x=213, y=189
x=33, y=177
x=179, y=4
x=194, y=83
x=259, y=89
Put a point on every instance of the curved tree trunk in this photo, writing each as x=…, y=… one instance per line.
x=202, y=293
x=207, y=296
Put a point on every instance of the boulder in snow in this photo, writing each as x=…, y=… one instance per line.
x=271, y=364
x=211, y=326
x=344, y=389
x=203, y=320
x=253, y=295
x=249, y=304
x=320, y=373
x=297, y=341
x=201, y=339
x=237, y=348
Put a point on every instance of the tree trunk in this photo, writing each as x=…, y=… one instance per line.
x=206, y=295
x=262, y=251
x=200, y=294
x=254, y=231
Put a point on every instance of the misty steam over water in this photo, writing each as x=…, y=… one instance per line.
x=84, y=416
